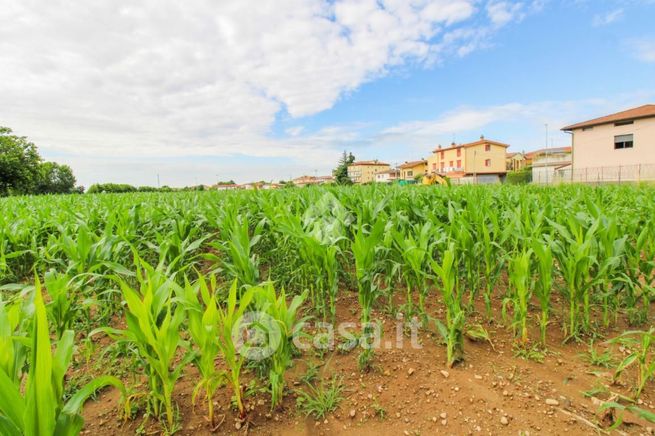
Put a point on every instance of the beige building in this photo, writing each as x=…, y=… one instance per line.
x=312, y=180
x=410, y=170
x=479, y=161
x=515, y=161
x=365, y=171
x=615, y=146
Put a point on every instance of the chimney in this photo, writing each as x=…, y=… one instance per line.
x=439, y=147
x=481, y=137
x=453, y=143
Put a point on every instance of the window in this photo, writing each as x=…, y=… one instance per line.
x=442, y=155
x=623, y=123
x=442, y=166
x=459, y=164
x=459, y=152
x=487, y=162
x=410, y=173
x=434, y=167
x=451, y=164
x=623, y=141
x=487, y=147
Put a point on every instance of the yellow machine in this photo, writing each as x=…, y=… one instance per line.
x=433, y=179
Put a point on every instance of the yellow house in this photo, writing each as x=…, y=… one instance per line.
x=409, y=170
x=515, y=161
x=365, y=171
x=479, y=158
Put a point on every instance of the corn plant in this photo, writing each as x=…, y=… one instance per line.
x=203, y=328
x=13, y=340
x=415, y=248
x=40, y=409
x=153, y=326
x=240, y=261
x=64, y=307
x=229, y=319
x=543, y=283
x=575, y=251
x=365, y=248
x=493, y=257
x=451, y=292
x=641, y=345
x=281, y=320
x=521, y=291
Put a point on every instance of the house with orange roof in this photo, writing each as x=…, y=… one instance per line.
x=619, y=144
x=410, y=170
x=482, y=161
x=364, y=171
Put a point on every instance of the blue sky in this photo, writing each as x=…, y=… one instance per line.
x=199, y=91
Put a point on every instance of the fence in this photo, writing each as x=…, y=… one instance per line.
x=616, y=174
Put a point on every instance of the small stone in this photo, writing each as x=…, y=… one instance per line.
x=325, y=422
x=444, y=422
x=505, y=394
x=477, y=377
x=444, y=373
x=552, y=402
x=352, y=413
x=238, y=425
x=504, y=420
x=443, y=415
x=411, y=371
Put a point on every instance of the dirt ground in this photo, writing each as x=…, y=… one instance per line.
x=411, y=392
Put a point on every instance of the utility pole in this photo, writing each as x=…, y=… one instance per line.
x=158, y=184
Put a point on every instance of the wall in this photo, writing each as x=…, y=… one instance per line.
x=476, y=156
x=595, y=148
x=411, y=172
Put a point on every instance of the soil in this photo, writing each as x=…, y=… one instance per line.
x=492, y=392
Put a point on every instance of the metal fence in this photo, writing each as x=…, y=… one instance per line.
x=616, y=174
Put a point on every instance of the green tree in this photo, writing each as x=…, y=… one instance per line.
x=55, y=179
x=19, y=164
x=340, y=173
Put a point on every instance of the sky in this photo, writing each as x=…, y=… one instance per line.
x=198, y=91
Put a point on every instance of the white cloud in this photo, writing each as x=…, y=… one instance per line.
x=643, y=49
x=608, y=17
x=131, y=80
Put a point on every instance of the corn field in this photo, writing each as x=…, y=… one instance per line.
x=162, y=281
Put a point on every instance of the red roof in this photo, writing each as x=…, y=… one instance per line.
x=367, y=162
x=645, y=111
x=555, y=150
x=413, y=163
x=482, y=141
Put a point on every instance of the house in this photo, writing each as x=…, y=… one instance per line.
x=365, y=171
x=482, y=161
x=410, y=170
x=547, y=163
x=225, y=187
x=515, y=161
x=312, y=180
x=387, y=176
x=614, y=147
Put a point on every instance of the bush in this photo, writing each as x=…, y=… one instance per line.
x=519, y=177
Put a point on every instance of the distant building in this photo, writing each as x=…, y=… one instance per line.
x=516, y=161
x=312, y=180
x=547, y=163
x=388, y=176
x=618, y=145
x=409, y=170
x=482, y=161
x=365, y=171
x=226, y=187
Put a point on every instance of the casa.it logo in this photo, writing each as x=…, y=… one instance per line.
x=256, y=336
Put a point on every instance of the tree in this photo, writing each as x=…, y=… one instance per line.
x=19, y=164
x=55, y=179
x=340, y=173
